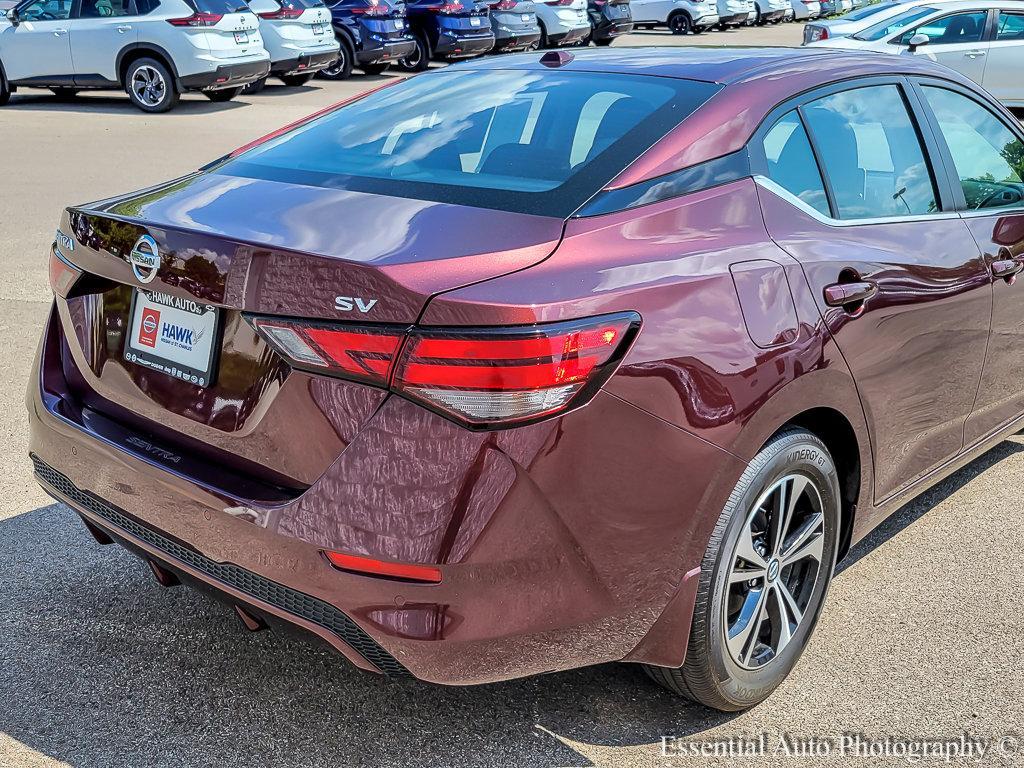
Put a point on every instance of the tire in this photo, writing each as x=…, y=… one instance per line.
x=5, y=90
x=739, y=676
x=65, y=94
x=255, y=86
x=680, y=24
x=222, y=95
x=157, y=94
x=420, y=60
x=604, y=43
x=374, y=69
x=296, y=81
x=341, y=69
x=543, y=43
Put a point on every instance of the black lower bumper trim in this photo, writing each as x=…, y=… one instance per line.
x=304, y=63
x=284, y=598
x=227, y=76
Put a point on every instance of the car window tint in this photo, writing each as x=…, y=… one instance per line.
x=104, y=9
x=891, y=26
x=988, y=156
x=958, y=28
x=46, y=10
x=871, y=153
x=1011, y=26
x=526, y=140
x=791, y=162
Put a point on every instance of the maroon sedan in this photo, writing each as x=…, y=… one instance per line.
x=547, y=361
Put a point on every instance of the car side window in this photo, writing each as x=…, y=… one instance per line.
x=105, y=9
x=988, y=156
x=46, y=10
x=791, y=162
x=1011, y=26
x=956, y=28
x=871, y=153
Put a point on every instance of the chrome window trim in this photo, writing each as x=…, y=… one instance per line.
x=978, y=213
x=813, y=212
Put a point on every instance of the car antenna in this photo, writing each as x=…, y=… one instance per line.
x=556, y=59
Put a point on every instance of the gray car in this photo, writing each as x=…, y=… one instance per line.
x=515, y=25
x=854, y=21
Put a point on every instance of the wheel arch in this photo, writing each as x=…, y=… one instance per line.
x=135, y=51
x=345, y=37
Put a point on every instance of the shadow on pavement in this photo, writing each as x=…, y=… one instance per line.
x=101, y=667
x=112, y=103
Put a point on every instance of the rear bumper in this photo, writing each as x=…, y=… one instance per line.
x=568, y=37
x=227, y=76
x=382, y=51
x=313, y=62
x=515, y=41
x=608, y=29
x=451, y=46
x=538, y=572
x=734, y=20
x=773, y=15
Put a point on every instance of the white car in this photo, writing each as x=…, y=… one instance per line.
x=299, y=38
x=153, y=49
x=806, y=9
x=680, y=16
x=984, y=41
x=770, y=11
x=562, y=22
x=735, y=13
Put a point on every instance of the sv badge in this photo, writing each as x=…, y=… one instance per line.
x=348, y=303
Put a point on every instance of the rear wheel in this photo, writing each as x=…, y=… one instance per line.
x=65, y=94
x=5, y=90
x=764, y=577
x=223, y=94
x=150, y=86
x=418, y=60
x=341, y=69
x=680, y=24
x=255, y=86
x=297, y=80
x=374, y=69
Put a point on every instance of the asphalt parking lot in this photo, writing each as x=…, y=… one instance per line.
x=922, y=635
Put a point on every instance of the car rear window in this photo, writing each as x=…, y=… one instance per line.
x=218, y=6
x=893, y=25
x=538, y=142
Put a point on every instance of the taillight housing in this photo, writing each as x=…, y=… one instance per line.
x=482, y=378
x=282, y=13
x=504, y=5
x=63, y=274
x=197, y=19
x=451, y=7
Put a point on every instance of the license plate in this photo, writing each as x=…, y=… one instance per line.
x=475, y=21
x=241, y=38
x=318, y=29
x=174, y=336
x=399, y=24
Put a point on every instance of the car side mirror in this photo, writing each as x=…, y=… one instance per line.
x=917, y=41
x=12, y=16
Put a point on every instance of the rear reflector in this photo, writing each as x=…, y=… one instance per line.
x=63, y=273
x=481, y=377
x=428, y=574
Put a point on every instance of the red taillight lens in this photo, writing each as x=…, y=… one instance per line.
x=197, y=20
x=558, y=2
x=63, y=273
x=282, y=13
x=451, y=8
x=372, y=8
x=504, y=5
x=406, y=571
x=362, y=353
x=481, y=377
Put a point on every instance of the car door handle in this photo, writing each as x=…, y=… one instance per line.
x=1006, y=269
x=59, y=32
x=846, y=294
x=974, y=54
x=124, y=28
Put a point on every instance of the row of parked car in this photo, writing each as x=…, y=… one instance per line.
x=157, y=49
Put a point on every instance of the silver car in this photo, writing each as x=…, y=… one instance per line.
x=984, y=41
x=835, y=7
x=855, y=21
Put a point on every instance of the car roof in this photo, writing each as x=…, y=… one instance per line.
x=717, y=65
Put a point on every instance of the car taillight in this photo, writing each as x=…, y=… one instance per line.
x=63, y=273
x=558, y=2
x=504, y=5
x=372, y=8
x=450, y=8
x=197, y=20
x=282, y=13
x=480, y=377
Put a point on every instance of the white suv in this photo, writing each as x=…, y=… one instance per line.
x=299, y=38
x=153, y=49
x=681, y=16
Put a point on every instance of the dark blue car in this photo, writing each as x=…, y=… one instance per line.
x=373, y=34
x=447, y=30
